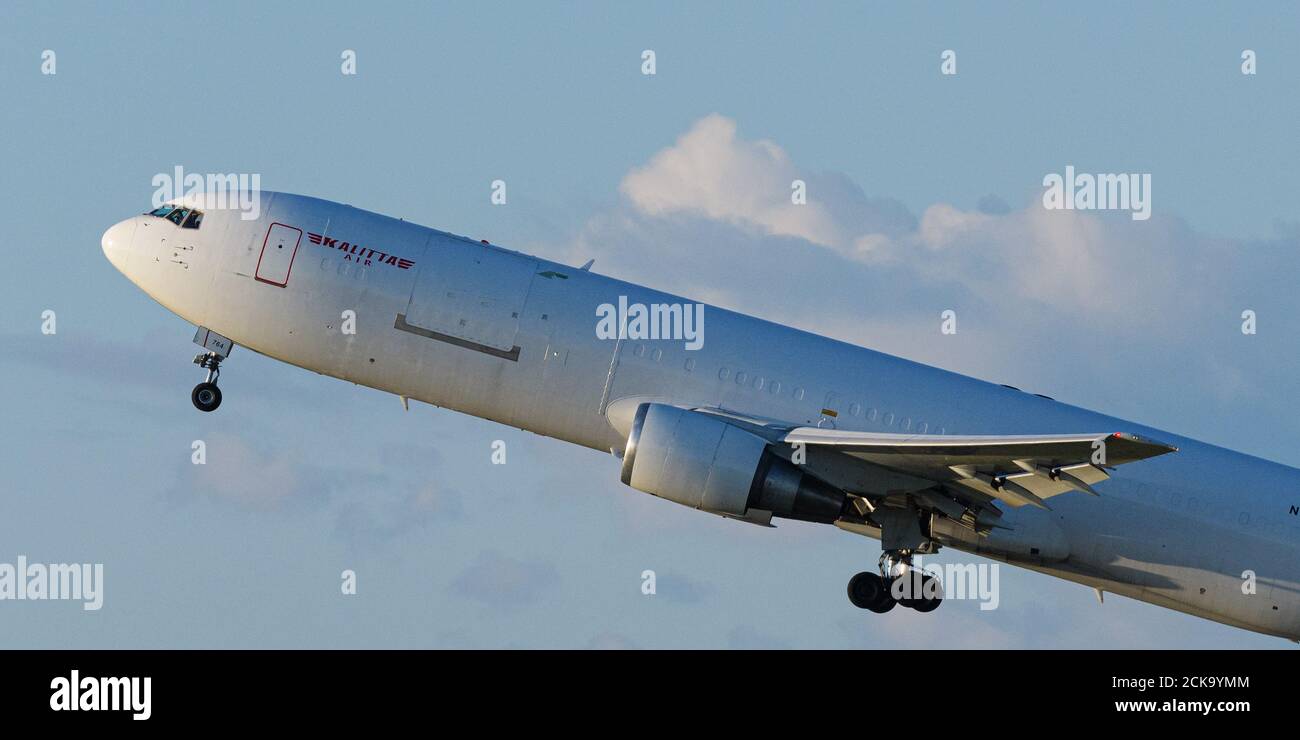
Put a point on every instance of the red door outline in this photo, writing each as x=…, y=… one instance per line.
x=257, y=272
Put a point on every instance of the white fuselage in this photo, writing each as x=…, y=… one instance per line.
x=516, y=342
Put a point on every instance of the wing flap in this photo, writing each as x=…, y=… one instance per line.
x=1016, y=469
x=1058, y=449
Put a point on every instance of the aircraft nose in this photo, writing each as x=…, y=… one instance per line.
x=117, y=241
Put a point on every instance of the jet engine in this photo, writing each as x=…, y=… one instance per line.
x=706, y=463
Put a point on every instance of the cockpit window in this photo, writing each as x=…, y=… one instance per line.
x=186, y=218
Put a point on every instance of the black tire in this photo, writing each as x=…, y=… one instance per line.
x=928, y=603
x=863, y=589
x=906, y=589
x=206, y=397
x=884, y=603
x=868, y=591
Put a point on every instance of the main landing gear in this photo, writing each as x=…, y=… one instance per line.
x=898, y=584
x=206, y=395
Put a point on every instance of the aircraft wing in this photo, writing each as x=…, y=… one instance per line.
x=1016, y=469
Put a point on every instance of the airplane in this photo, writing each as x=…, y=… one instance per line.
x=749, y=420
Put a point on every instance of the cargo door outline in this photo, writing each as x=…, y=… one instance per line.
x=274, y=268
x=471, y=296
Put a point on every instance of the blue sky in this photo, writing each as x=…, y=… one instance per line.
x=308, y=476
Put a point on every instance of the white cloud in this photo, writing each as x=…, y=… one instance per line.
x=1065, y=259
x=710, y=172
x=505, y=582
x=1066, y=303
x=249, y=476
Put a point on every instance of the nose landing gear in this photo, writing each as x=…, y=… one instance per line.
x=206, y=395
x=898, y=584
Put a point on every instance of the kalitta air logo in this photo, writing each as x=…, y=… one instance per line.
x=364, y=256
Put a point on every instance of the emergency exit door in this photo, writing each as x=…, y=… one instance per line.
x=278, y=251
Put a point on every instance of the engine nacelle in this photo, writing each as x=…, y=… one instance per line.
x=703, y=462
